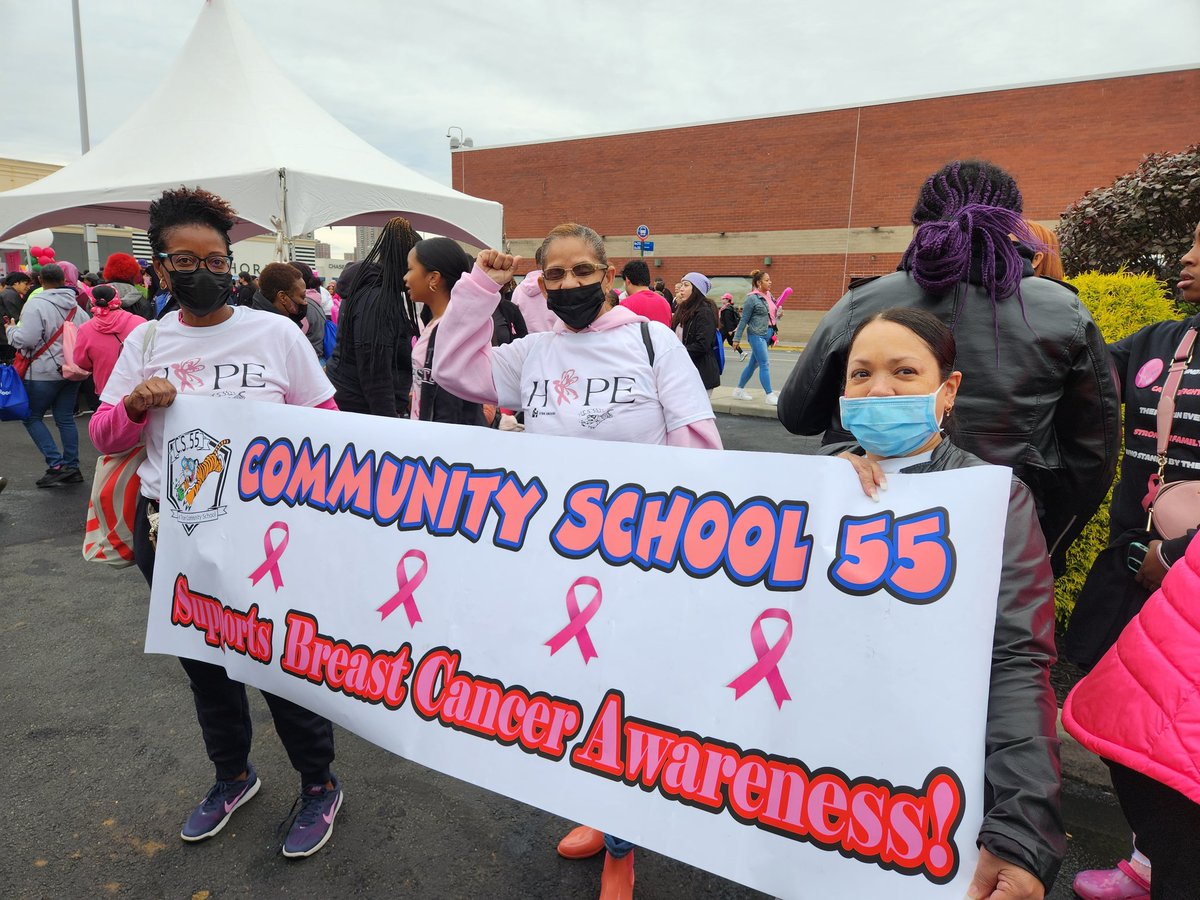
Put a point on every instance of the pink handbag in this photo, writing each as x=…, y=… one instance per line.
x=1173, y=506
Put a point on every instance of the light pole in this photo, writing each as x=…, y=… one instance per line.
x=456, y=143
x=85, y=140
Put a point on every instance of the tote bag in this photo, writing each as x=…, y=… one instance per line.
x=112, y=508
x=14, y=399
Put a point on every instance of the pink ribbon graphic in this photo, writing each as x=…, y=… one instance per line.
x=768, y=659
x=188, y=373
x=274, y=554
x=562, y=387
x=404, y=596
x=577, y=627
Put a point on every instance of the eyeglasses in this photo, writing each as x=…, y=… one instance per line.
x=580, y=270
x=190, y=262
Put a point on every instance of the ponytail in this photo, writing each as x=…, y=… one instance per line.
x=104, y=299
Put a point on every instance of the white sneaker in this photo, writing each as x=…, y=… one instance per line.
x=773, y=398
x=740, y=394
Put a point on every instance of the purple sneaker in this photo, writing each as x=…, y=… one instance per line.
x=214, y=811
x=312, y=825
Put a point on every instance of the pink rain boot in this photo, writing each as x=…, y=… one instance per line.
x=1121, y=883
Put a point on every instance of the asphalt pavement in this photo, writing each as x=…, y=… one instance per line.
x=104, y=757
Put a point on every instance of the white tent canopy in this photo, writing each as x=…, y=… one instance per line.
x=292, y=169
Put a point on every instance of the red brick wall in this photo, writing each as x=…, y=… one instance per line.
x=794, y=172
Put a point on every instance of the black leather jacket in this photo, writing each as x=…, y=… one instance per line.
x=1038, y=391
x=1022, y=822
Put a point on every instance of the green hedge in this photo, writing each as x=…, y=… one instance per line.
x=1121, y=304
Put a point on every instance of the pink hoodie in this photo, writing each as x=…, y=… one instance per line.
x=100, y=341
x=529, y=300
x=463, y=361
x=81, y=288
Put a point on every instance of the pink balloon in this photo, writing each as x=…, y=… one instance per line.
x=48, y=251
x=36, y=251
x=45, y=260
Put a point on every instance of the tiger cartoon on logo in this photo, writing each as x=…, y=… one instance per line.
x=197, y=465
x=188, y=486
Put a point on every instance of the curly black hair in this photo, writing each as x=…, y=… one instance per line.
x=188, y=206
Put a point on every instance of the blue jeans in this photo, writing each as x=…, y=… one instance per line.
x=59, y=397
x=758, y=360
x=616, y=847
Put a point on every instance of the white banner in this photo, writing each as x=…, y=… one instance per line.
x=735, y=659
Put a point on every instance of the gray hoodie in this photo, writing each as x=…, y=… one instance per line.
x=40, y=318
x=133, y=300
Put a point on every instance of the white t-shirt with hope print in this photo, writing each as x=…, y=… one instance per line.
x=252, y=355
x=599, y=385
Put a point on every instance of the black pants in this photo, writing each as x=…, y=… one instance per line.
x=88, y=400
x=224, y=710
x=1167, y=825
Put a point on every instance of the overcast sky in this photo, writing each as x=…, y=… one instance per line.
x=399, y=73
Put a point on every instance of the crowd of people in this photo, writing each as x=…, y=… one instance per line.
x=973, y=352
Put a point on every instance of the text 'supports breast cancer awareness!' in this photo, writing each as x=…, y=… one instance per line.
x=750, y=667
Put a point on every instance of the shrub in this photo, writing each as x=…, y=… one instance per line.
x=1121, y=303
x=1143, y=221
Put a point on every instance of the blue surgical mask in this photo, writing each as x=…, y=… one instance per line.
x=891, y=426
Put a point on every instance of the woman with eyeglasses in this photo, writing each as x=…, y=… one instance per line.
x=211, y=349
x=602, y=373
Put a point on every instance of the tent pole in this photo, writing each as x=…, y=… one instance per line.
x=283, y=242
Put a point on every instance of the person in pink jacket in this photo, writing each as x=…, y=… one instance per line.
x=530, y=301
x=601, y=373
x=100, y=339
x=1139, y=709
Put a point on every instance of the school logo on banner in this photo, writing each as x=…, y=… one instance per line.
x=197, y=464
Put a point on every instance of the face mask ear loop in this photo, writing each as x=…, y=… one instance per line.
x=942, y=417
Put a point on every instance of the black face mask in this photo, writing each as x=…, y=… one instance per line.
x=201, y=292
x=300, y=314
x=578, y=307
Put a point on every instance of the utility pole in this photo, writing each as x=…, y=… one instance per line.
x=85, y=141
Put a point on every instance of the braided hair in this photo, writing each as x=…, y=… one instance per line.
x=966, y=216
x=962, y=182
x=387, y=264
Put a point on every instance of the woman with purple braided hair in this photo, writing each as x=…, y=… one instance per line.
x=1039, y=393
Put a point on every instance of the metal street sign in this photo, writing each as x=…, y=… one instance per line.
x=637, y=245
x=647, y=246
x=643, y=231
